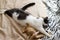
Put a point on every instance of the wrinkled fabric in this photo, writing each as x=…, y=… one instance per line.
x=8, y=31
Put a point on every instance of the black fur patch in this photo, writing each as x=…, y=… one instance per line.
x=22, y=15
x=46, y=20
x=11, y=11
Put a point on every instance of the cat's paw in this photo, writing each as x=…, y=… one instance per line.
x=51, y=36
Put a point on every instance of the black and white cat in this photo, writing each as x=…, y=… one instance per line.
x=23, y=17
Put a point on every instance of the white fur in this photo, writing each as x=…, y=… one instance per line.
x=33, y=21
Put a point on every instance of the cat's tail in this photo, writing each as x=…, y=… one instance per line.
x=27, y=6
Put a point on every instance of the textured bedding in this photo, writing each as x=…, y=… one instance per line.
x=11, y=32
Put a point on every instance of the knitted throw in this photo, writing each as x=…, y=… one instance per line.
x=53, y=8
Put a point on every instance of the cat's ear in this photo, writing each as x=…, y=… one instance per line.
x=46, y=20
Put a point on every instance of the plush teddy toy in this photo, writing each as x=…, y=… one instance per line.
x=32, y=33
